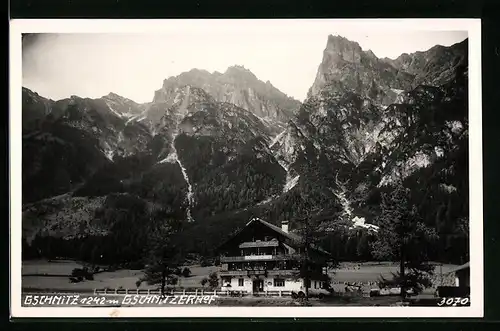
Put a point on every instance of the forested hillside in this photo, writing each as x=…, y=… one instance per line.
x=97, y=173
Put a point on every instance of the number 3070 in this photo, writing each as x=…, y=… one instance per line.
x=453, y=302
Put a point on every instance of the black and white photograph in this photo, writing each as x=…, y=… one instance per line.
x=275, y=168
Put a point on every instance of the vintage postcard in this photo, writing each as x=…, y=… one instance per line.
x=273, y=168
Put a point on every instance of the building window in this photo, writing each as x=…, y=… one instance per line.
x=226, y=281
x=240, y=282
x=279, y=282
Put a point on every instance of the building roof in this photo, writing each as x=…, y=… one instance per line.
x=462, y=267
x=291, y=236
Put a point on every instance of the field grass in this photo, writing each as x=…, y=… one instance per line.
x=53, y=267
x=336, y=301
x=370, y=272
x=54, y=275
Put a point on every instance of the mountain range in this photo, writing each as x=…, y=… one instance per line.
x=215, y=149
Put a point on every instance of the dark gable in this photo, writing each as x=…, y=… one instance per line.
x=258, y=229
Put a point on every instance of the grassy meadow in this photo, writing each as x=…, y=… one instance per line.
x=42, y=275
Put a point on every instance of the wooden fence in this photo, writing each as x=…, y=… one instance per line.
x=170, y=291
x=190, y=292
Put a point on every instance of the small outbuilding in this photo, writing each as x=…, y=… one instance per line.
x=462, y=275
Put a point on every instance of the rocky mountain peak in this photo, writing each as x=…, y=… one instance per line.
x=122, y=106
x=116, y=97
x=237, y=85
x=239, y=70
x=342, y=48
x=346, y=67
x=371, y=55
x=112, y=95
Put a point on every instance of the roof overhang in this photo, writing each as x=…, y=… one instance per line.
x=289, y=238
x=250, y=244
x=459, y=268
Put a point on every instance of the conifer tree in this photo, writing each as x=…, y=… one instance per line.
x=403, y=237
x=311, y=230
x=163, y=253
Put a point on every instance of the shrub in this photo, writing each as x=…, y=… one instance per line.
x=177, y=271
x=186, y=272
x=77, y=272
x=73, y=280
x=82, y=273
x=213, y=280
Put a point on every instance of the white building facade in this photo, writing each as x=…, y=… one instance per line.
x=264, y=258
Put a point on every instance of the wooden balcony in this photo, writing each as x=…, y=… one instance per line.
x=283, y=273
x=249, y=272
x=248, y=258
x=258, y=272
x=233, y=272
x=269, y=272
x=252, y=244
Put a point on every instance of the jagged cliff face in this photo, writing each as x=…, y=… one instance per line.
x=434, y=67
x=350, y=120
x=373, y=140
x=66, y=141
x=344, y=126
x=191, y=130
x=123, y=107
x=238, y=86
x=346, y=67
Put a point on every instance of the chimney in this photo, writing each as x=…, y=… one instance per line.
x=284, y=226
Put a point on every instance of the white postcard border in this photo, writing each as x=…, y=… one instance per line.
x=473, y=26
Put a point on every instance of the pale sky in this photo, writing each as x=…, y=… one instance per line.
x=135, y=65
